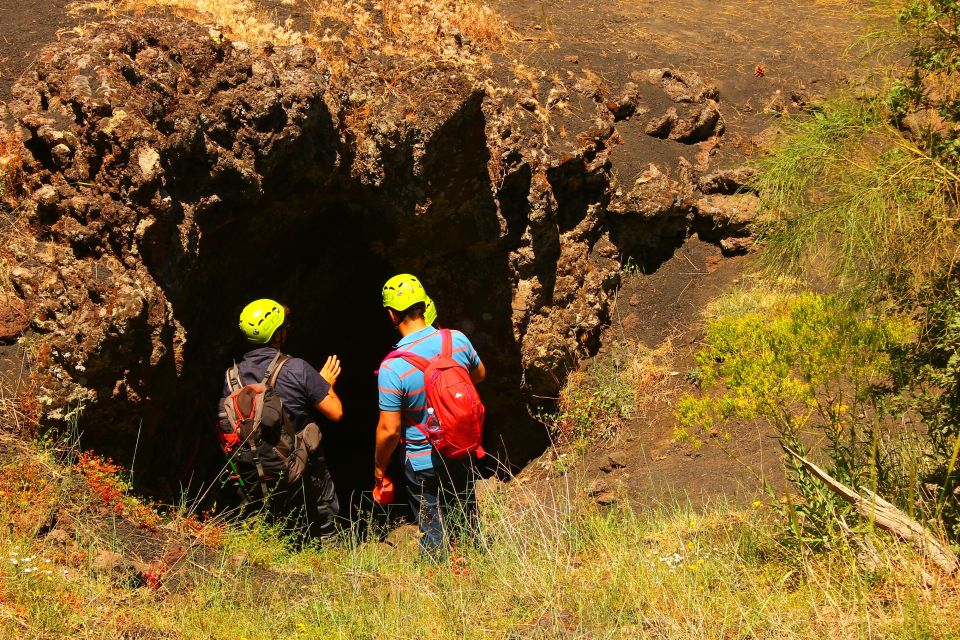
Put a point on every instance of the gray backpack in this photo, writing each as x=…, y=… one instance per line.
x=256, y=431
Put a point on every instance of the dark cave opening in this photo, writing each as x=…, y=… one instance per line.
x=324, y=247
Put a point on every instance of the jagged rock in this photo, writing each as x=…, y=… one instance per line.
x=654, y=195
x=160, y=159
x=687, y=86
x=731, y=214
x=588, y=84
x=615, y=460
x=726, y=181
x=781, y=104
x=605, y=499
x=627, y=104
x=694, y=125
x=597, y=487
x=13, y=317
x=766, y=139
x=735, y=245
x=108, y=562
x=924, y=122
x=57, y=537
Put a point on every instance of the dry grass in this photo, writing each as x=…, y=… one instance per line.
x=243, y=20
x=414, y=28
x=546, y=567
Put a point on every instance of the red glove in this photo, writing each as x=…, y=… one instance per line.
x=383, y=492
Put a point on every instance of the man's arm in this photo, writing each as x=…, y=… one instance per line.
x=388, y=436
x=330, y=406
x=478, y=374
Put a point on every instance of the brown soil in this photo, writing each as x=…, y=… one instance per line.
x=801, y=47
x=27, y=26
x=664, y=309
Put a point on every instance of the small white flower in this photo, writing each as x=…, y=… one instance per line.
x=13, y=560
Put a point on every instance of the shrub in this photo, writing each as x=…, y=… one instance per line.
x=820, y=372
x=939, y=403
x=930, y=92
x=599, y=398
x=850, y=202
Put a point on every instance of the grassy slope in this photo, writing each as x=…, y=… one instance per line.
x=547, y=569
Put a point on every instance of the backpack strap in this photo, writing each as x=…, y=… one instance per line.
x=270, y=368
x=446, y=341
x=417, y=361
x=233, y=378
x=271, y=380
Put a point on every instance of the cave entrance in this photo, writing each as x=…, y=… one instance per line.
x=320, y=264
x=326, y=266
x=299, y=223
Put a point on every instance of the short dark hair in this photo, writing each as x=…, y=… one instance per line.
x=413, y=312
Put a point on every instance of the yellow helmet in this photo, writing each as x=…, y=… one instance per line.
x=260, y=319
x=430, y=315
x=403, y=291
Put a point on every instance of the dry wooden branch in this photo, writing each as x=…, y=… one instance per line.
x=887, y=517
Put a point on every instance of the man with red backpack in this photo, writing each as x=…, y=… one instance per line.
x=428, y=402
x=267, y=422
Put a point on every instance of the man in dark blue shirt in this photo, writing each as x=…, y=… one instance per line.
x=305, y=392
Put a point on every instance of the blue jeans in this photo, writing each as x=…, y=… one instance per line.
x=443, y=502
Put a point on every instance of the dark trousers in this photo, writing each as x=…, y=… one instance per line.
x=317, y=496
x=308, y=509
x=443, y=502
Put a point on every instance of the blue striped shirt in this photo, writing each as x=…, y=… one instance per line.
x=402, y=388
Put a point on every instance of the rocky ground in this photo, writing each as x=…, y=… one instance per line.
x=604, y=137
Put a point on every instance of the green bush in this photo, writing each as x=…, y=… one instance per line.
x=849, y=202
x=821, y=373
x=939, y=403
x=933, y=26
x=597, y=400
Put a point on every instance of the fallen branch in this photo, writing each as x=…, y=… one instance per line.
x=887, y=517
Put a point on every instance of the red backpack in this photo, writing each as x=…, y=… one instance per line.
x=455, y=425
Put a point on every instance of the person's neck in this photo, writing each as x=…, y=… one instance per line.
x=410, y=326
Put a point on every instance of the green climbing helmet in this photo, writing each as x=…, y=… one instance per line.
x=403, y=291
x=430, y=315
x=260, y=319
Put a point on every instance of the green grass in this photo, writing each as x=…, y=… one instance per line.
x=849, y=202
x=548, y=567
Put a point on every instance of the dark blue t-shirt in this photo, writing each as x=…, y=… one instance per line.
x=299, y=385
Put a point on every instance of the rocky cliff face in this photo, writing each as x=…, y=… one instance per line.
x=171, y=175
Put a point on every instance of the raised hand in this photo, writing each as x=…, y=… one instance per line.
x=331, y=370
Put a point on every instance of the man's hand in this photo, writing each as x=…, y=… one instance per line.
x=383, y=491
x=331, y=370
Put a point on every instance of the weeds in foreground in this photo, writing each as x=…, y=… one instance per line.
x=545, y=567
